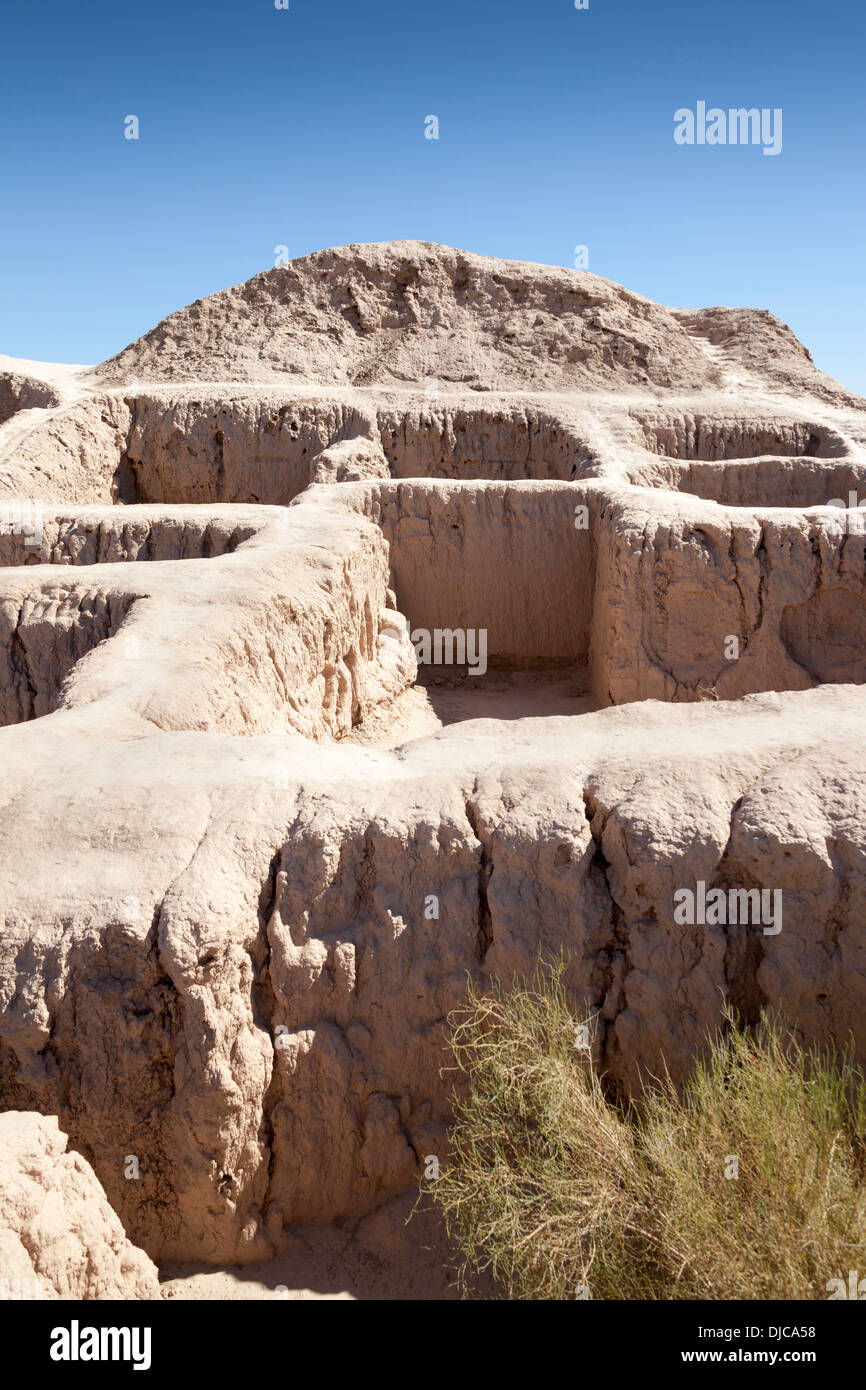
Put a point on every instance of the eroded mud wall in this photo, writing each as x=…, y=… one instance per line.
x=511, y=560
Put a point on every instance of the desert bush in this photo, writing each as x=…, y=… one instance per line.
x=746, y=1181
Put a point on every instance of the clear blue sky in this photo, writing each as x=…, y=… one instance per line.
x=305, y=127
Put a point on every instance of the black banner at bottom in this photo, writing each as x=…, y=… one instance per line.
x=256, y=1338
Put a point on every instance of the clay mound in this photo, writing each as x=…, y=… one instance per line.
x=404, y=311
x=59, y=1238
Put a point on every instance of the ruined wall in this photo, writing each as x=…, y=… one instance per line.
x=44, y=633
x=762, y=482
x=48, y=536
x=443, y=441
x=673, y=585
x=273, y=634
x=694, y=435
x=255, y=1006
x=232, y=447
x=235, y=970
x=506, y=558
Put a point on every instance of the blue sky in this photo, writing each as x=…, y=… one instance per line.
x=305, y=127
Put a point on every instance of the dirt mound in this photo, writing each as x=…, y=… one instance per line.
x=404, y=311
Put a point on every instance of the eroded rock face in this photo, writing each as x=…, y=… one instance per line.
x=59, y=1238
x=279, y=847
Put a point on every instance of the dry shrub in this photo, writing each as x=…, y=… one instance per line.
x=551, y=1185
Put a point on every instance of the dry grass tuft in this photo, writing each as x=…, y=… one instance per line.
x=551, y=1186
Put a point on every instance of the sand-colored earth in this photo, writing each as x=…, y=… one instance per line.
x=250, y=849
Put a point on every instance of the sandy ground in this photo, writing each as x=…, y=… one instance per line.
x=442, y=697
x=383, y=1256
